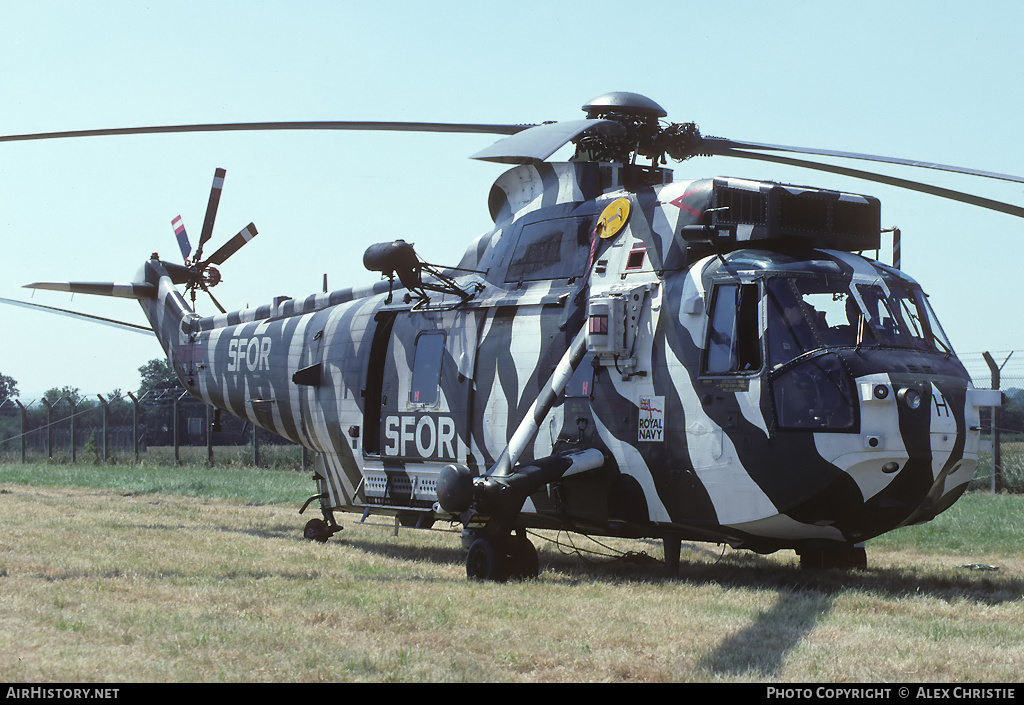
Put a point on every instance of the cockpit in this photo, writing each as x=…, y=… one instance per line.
x=806, y=314
x=811, y=329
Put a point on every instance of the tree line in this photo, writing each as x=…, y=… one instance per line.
x=157, y=381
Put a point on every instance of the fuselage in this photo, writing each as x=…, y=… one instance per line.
x=766, y=394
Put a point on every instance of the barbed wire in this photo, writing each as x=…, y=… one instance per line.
x=1010, y=362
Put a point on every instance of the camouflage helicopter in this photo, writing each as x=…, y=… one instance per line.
x=621, y=354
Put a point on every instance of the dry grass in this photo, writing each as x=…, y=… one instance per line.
x=96, y=586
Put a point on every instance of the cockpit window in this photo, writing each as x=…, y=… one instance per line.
x=791, y=324
x=807, y=314
x=902, y=318
x=734, y=341
x=939, y=335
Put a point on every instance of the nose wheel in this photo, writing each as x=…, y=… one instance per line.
x=510, y=558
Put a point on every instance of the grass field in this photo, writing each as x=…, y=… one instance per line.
x=154, y=574
x=1012, y=462
x=285, y=456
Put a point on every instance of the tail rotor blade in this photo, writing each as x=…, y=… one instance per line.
x=211, y=209
x=183, y=243
x=233, y=245
x=214, y=300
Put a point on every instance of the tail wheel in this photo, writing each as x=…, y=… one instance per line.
x=316, y=530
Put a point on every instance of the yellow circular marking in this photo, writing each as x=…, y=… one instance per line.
x=613, y=218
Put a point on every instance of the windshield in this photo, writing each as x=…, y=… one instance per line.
x=806, y=314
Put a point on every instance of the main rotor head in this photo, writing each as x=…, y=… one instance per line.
x=642, y=132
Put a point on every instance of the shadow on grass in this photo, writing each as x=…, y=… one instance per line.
x=441, y=555
x=763, y=646
x=738, y=570
x=804, y=598
x=733, y=570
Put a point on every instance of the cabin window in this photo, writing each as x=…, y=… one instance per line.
x=734, y=341
x=551, y=249
x=426, y=369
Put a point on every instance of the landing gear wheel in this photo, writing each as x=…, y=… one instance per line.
x=316, y=530
x=522, y=556
x=485, y=562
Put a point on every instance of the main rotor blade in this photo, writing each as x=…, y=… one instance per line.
x=541, y=141
x=134, y=327
x=232, y=246
x=960, y=196
x=715, y=145
x=133, y=290
x=472, y=128
x=211, y=209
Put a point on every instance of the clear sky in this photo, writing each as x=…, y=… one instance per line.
x=930, y=80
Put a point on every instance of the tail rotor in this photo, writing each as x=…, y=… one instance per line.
x=202, y=275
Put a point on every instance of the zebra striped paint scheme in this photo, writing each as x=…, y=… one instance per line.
x=720, y=467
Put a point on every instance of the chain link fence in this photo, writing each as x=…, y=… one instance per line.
x=1001, y=462
x=164, y=429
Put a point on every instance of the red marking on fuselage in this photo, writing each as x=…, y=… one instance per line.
x=678, y=203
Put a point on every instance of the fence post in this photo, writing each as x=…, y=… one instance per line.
x=996, y=417
x=104, y=403
x=49, y=429
x=74, y=409
x=135, y=426
x=24, y=428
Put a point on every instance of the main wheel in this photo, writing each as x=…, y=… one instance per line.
x=485, y=562
x=522, y=556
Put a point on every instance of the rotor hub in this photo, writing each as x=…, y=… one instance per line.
x=210, y=276
x=624, y=103
x=642, y=135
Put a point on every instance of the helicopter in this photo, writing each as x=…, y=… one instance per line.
x=619, y=354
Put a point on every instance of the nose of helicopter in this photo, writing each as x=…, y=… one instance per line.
x=915, y=452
